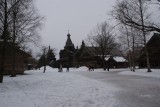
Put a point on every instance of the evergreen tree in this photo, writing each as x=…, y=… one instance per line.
x=47, y=58
x=50, y=58
x=41, y=61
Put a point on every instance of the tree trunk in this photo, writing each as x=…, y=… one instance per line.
x=44, y=70
x=147, y=59
x=128, y=44
x=103, y=62
x=44, y=62
x=133, y=57
x=13, y=73
x=2, y=61
x=129, y=58
x=4, y=43
x=133, y=49
x=144, y=37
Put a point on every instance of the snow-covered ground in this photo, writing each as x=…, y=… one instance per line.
x=143, y=72
x=55, y=89
x=61, y=89
x=126, y=71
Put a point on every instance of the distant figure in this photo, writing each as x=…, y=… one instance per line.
x=92, y=68
x=60, y=68
x=44, y=69
x=29, y=67
x=67, y=68
x=77, y=66
x=108, y=67
x=89, y=67
x=114, y=65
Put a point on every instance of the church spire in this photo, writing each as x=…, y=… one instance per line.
x=49, y=48
x=69, y=44
x=83, y=44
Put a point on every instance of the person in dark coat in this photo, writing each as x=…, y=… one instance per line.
x=89, y=68
x=67, y=68
x=92, y=68
x=60, y=68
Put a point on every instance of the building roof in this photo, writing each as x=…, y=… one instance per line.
x=153, y=46
x=94, y=51
x=17, y=48
x=119, y=59
x=154, y=40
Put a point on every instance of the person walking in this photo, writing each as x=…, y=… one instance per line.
x=89, y=68
x=67, y=68
x=92, y=68
x=60, y=68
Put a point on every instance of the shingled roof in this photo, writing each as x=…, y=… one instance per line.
x=94, y=51
x=17, y=48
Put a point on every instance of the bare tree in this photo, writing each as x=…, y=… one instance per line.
x=126, y=40
x=43, y=57
x=103, y=38
x=134, y=13
x=28, y=25
x=130, y=38
x=157, y=2
x=122, y=8
x=5, y=10
x=24, y=24
x=18, y=22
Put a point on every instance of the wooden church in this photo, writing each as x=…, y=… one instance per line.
x=85, y=56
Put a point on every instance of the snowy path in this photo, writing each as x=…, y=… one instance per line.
x=80, y=88
x=54, y=89
x=138, y=89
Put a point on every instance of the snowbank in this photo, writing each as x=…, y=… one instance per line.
x=82, y=68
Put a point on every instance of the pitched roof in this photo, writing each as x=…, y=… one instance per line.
x=154, y=40
x=119, y=59
x=153, y=46
x=17, y=48
x=94, y=51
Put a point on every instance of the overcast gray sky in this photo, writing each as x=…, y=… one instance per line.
x=77, y=16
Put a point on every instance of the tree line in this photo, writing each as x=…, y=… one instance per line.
x=46, y=57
